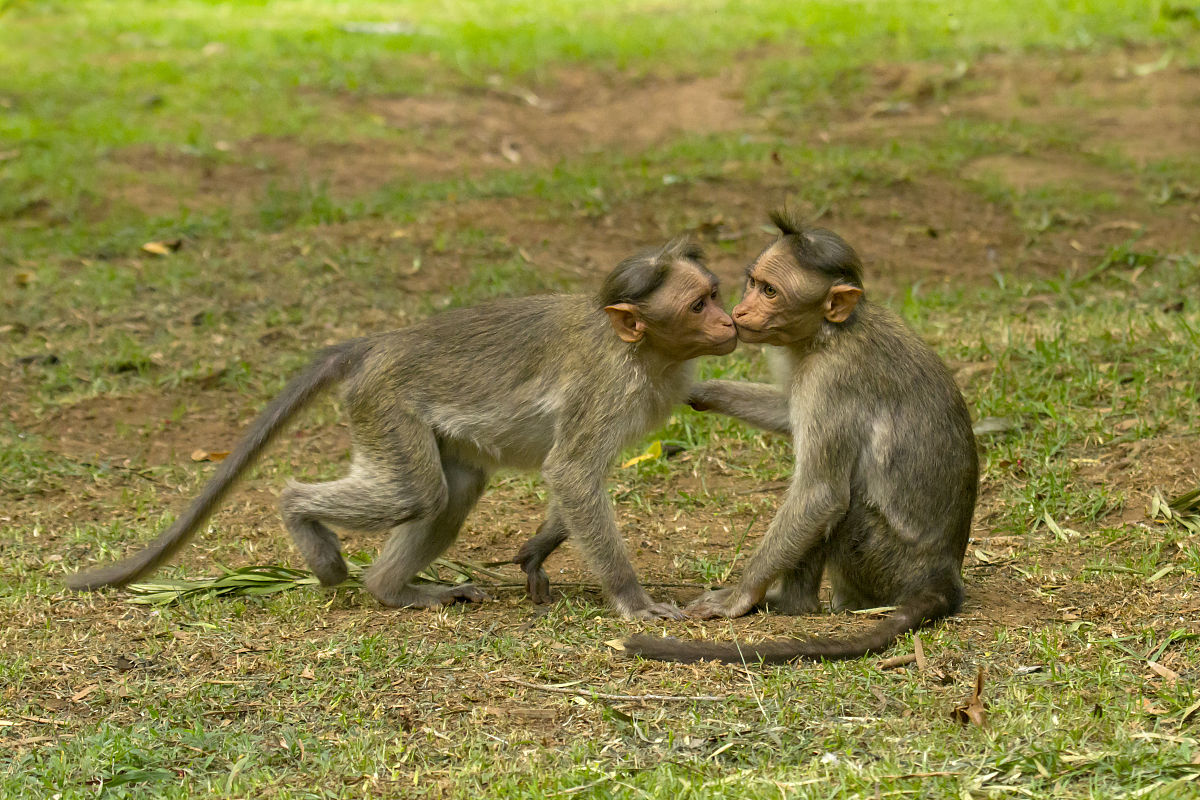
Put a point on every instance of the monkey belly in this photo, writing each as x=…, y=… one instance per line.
x=519, y=435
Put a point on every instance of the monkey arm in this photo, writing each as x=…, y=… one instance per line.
x=798, y=527
x=818, y=497
x=581, y=504
x=757, y=404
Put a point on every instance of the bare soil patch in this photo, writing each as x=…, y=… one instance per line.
x=579, y=113
x=918, y=227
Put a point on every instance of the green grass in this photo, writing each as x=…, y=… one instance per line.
x=118, y=363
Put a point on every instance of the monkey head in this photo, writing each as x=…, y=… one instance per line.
x=806, y=278
x=667, y=301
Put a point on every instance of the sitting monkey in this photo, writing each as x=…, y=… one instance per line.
x=559, y=383
x=886, y=471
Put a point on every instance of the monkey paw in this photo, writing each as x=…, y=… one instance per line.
x=791, y=604
x=432, y=597
x=719, y=603
x=658, y=611
x=463, y=593
x=698, y=398
x=537, y=585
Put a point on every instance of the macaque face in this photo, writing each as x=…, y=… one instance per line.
x=684, y=318
x=785, y=303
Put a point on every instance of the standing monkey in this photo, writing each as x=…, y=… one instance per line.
x=559, y=383
x=886, y=470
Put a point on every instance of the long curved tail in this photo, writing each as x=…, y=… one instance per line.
x=916, y=611
x=331, y=366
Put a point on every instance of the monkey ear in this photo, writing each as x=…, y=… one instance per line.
x=840, y=301
x=626, y=321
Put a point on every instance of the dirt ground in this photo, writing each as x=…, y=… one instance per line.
x=915, y=228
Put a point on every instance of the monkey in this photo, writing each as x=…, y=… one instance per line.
x=886, y=469
x=558, y=383
x=550, y=534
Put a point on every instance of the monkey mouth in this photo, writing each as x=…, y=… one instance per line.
x=726, y=346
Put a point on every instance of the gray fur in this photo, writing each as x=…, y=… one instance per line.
x=881, y=498
x=435, y=408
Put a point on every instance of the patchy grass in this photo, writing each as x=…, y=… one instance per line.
x=1020, y=179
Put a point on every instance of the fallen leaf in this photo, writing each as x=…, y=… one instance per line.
x=307, y=674
x=1189, y=712
x=1119, y=224
x=511, y=150
x=655, y=450
x=1151, y=67
x=84, y=692
x=1152, y=709
x=163, y=248
x=895, y=662
x=991, y=425
x=974, y=711
x=1168, y=675
x=616, y=644
x=206, y=455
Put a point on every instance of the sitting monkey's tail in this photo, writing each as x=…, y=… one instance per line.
x=925, y=607
x=330, y=366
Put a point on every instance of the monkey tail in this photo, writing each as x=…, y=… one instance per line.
x=925, y=607
x=330, y=366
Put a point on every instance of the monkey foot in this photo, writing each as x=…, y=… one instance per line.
x=719, y=603
x=331, y=573
x=657, y=611
x=434, y=598
x=790, y=605
x=537, y=585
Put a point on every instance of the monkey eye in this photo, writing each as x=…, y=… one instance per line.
x=768, y=291
x=698, y=306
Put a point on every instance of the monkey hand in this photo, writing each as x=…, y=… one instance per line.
x=659, y=611
x=698, y=398
x=719, y=603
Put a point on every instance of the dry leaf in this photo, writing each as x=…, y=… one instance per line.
x=895, y=662
x=163, y=248
x=1119, y=224
x=206, y=455
x=616, y=644
x=84, y=692
x=511, y=150
x=1169, y=675
x=919, y=654
x=655, y=450
x=974, y=711
x=1152, y=709
x=307, y=674
x=1190, y=712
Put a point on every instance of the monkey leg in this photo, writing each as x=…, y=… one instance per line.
x=550, y=534
x=870, y=563
x=381, y=492
x=414, y=545
x=796, y=590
